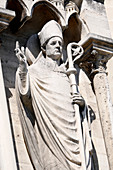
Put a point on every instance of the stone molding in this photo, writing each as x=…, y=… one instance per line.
x=6, y=17
x=59, y=12
x=97, y=51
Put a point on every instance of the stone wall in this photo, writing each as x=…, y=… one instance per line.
x=93, y=15
x=109, y=11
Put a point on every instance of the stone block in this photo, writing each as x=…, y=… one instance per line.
x=96, y=23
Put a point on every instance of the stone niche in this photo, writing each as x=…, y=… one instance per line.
x=83, y=22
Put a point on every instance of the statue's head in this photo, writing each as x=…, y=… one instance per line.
x=51, y=39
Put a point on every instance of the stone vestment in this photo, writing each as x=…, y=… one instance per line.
x=48, y=117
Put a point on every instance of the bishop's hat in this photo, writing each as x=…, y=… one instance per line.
x=49, y=30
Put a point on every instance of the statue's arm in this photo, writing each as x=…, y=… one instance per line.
x=22, y=72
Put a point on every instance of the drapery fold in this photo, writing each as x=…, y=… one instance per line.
x=48, y=118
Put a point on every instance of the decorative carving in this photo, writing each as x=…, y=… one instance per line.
x=58, y=3
x=96, y=64
x=50, y=112
x=66, y=15
x=97, y=54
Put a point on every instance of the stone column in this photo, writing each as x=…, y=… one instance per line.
x=7, y=156
x=102, y=92
x=98, y=50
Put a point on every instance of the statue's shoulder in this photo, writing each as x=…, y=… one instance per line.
x=37, y=64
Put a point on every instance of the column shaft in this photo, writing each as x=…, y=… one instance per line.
x=7, y=156
x=106, y=111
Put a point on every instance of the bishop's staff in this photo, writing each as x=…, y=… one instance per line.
x=72, y=72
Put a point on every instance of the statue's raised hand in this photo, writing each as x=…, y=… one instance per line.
x=21, y=58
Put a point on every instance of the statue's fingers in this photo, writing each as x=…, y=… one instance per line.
x=23, y=52
x=16, y=50
x=17, y=44
x=22, y=49
x=20, y=56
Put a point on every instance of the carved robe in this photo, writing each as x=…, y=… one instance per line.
x=48, y=117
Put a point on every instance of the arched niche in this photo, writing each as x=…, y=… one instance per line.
x=39, y=13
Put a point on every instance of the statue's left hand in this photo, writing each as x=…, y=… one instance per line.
x=78, y=99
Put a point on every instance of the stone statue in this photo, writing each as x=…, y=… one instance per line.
x=46, y=106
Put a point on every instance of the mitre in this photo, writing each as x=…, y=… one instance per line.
x=49, y=30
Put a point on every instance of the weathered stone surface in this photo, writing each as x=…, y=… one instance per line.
x=94, y=15
x=109, y=12
x=94, y=21
x=100, y=55
x=99, y=153
x=106, y=110
x=40, y=136
x=6, y=142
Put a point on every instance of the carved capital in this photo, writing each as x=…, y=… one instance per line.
x=98, y=50
x=95, y=64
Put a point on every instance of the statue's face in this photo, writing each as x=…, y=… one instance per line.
x=54, y=48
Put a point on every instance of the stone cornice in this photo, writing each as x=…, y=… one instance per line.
x=96, y=42
x=5, y=17
x=97, y=51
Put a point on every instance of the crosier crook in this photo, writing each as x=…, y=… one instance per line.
x=71, y=72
